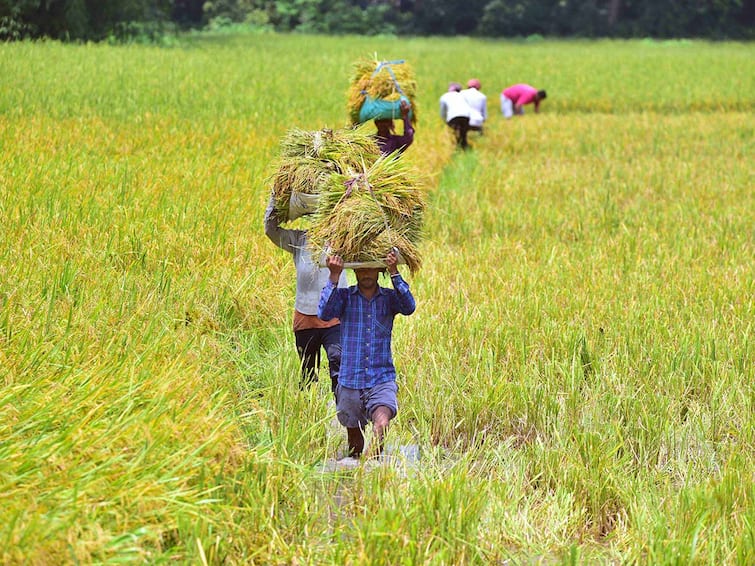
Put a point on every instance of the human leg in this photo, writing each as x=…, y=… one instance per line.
x=355, y=437
x=308, y=348
x=460, y=141
x=460, y=125
x=352, y=415
x=507, y=106
x=454, y=126
x=464, y=130
x=382, y=406
x=381, y=416
x=331, y=341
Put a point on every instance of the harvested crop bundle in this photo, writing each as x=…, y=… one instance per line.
x=327, y=144
x=377, y=88
x=362, y=215
x=307, y=160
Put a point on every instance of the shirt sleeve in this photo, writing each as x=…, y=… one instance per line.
x=405, y=303
x=285, y=239
x=332, y=302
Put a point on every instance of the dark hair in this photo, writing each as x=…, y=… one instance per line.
x=542, y=94
x=388, y=122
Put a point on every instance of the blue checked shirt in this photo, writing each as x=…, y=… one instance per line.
x=366, y=327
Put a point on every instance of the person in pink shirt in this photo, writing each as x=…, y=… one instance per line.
x=516, y=96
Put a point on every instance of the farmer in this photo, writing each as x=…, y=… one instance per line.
x=456, y=112
x=310, y=333
x=478, y=102
x=388, y=141
x=516, y=96
x=367, y=387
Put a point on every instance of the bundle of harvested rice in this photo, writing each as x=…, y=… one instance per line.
x=308, y=158
x=374, y=81
x=363, y=214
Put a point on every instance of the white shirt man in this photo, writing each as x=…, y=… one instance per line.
x=456, y=113
x=310, y=333
x=453, y=105
x=478, y=102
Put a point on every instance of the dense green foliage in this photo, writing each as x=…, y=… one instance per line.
x=578, y=374
x=150, y=19
x=84, y=19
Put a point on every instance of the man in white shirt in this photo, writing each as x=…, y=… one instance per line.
x=310, y=333
x=456, y=112
x=478, y=102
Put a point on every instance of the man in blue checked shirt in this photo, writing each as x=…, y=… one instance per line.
x=366, y=389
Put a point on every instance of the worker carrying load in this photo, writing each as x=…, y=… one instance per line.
x=384, y=91
x=356, y=203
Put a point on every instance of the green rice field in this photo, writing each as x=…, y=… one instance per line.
x=579, y=375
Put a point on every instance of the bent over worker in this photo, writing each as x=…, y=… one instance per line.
x=516, y=96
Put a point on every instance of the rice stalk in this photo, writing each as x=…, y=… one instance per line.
x=366, y=81
x=362, y=215
x=308, y=158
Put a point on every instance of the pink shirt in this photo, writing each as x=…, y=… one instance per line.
x=520, y=94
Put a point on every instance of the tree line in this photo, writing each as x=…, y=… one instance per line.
x=125, y=20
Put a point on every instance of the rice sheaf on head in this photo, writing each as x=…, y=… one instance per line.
x=366, y=203
x=361, y=216
x=308, y=158
x=365, y=81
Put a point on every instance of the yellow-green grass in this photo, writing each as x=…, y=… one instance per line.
x=578, y=374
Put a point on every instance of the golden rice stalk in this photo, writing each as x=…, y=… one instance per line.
x=346, y=143
x=363, y=215
x=308, y=158
x=366, y=81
